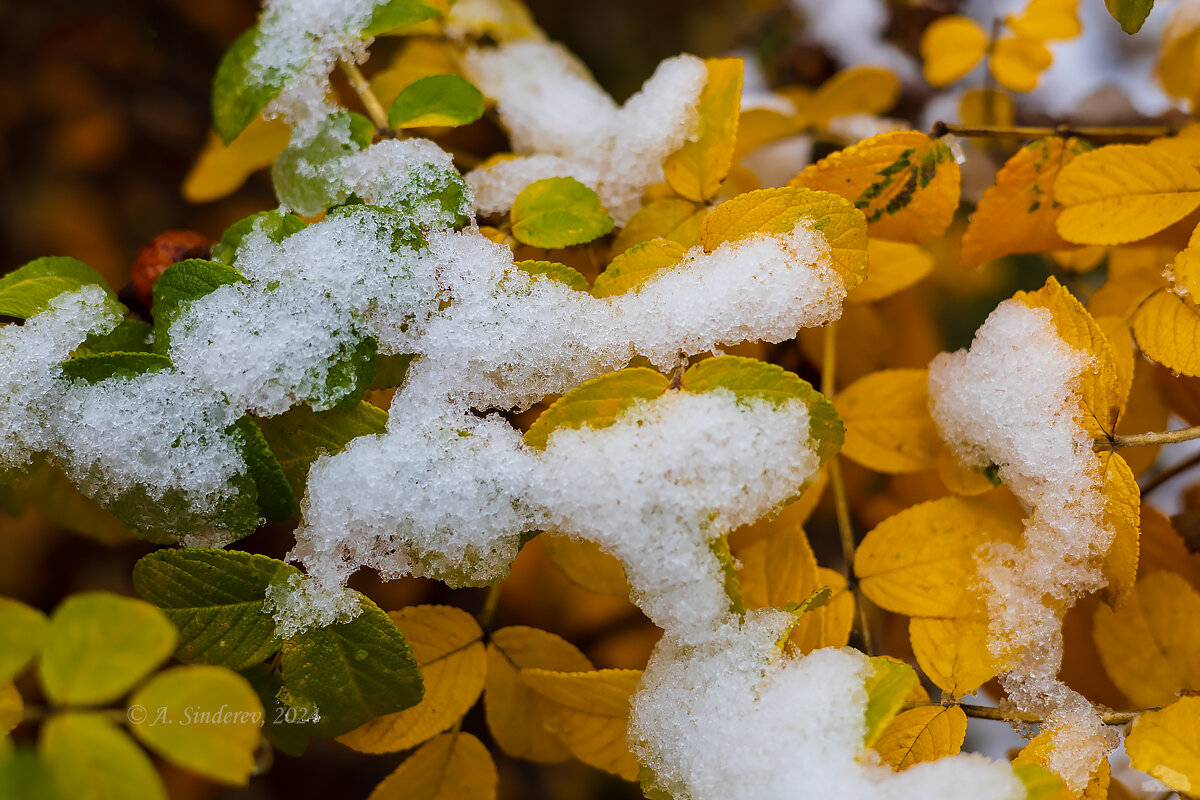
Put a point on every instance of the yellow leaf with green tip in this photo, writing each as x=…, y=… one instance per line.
x=636, y=266
x=888, y=687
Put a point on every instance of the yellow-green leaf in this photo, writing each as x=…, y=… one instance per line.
x=597, y=403
x=448, y=645
x=1039, y=752
x=92, y=759
x=1150, y=647
x=888, y=687
x=1123, y=193
x=513, y=714
x=776, y=211
x=926, y=733
x=12, y=709
x=637, y=265
x=697, y=169
x=905, y=183
x=22, y=631
x=888, y=427
x=558, y=212
x=1166, y=744
x=951, y=47
x=589, y=712
x=202, y=718
x=1040, y=783
x=98, y=645
x=920, y=562
x=555, y=271
x=436, y=100
x=453, y=766
x=1019, y=213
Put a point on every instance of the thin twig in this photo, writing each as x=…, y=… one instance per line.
x=1168, y=473
x=370, y=102
x=840, y=505
x=490, y=603
x=1138, y=133
x=989, y=712
x=1153, y=438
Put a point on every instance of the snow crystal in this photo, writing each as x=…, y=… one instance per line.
x=733, y=718
x=1011, y=400
x=299, y=604
x=551, y=107
x=393, y=172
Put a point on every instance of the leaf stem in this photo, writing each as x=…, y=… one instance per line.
x=840, y=504
x=490, y=603
x=370, y=102
x=1138, y=133
x=1153, y=438
x=1002, y=715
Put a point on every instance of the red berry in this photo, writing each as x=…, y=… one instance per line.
x=163, y=251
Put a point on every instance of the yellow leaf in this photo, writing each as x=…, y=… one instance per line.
x=1099, y=387
x=1120, y=338
x=758, y=126
x=589, y=712
x=697, y=169
x=920, y=562
x=1040, y=750
x=987, y=107
x=906, y=184
x=778, y=570
x=953, y=653
x=894, y=266
x=951, y=47
x=502, y=20
x=1167, y=329
x=1080, y=259
x=453, y=766
x=776, y=211
x=12, y=709
x=829, y=625
x=1122, y=295
x=888, y=427
x=921, y=734
x=637, y=265
x=222, y=168
x=1122, y=511
x=1179, y=61
x=855, y=90
x=1166, y=744
x=586, y=565
x=1150, y=647
x=1162, y=548
x=513, y=715
x=1047, y=19
x=794, y=514
x=1144, y=411
x=1124, y=192
x=1017, y=62
x=959, y=479
x=1018, y=213
x=1185, y=272
x=657, y=219
x=1185, y=144
x=447, y=643
x=418, y=57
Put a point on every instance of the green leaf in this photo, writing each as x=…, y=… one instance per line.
x=179, y=285
x=286, y=730
x=350, y=374
x=391, y=370
x=273, y=493
x=352, y=671
x=888, y=686
x=60, y=502
x=307, y=176
x=1040, y=783
x=637, y=265
x=22, y=631
x=215, y=598
x=28, y=290
x=597, y=403
x=239, y=94
x=98, y=645
x=558, y=212
x=439, y=100
x=555, y=271
x=398, y=14
x=93, y=369
x=91, y=759
x=275, y=224
x=213, y=718
x=747, y=377
x=1130, y=13
x=300, y=435
x=130, y=336
x=24, y=775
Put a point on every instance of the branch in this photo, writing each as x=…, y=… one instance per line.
x=1144, y=439
x=1138, y=133
x=370, y=102
x=1168, y=473
x=841, y=506
x=1002, y=715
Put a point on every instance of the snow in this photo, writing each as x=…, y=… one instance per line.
x=1012, y=400
x=563, y=124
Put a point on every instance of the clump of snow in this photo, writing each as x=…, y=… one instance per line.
x=299, y=604
x=1012, y=400
x=393, y=172
x=734, y=718
x=566, y=125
